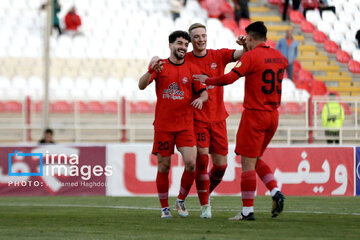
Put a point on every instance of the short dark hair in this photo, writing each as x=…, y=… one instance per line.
x=174, y=35
x=257, y=30
x=48, y=130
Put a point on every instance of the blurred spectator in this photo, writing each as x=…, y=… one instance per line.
x=241, y=10
x=332, y=116
x=72, y=22
x=357, y=36
x=284, y=14
x=176, y=6
x=56, y=10
x=296, y=4
x=48, y=137
x=288, y=46
x=322, y=5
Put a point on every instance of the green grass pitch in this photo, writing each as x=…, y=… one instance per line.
x=139, y=218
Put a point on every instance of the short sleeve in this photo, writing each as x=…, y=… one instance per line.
x=154, y=76
x=227, y=55
x=243, y=66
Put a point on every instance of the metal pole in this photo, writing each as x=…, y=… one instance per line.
x=49, y=23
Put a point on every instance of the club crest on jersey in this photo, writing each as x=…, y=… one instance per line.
x=213, y=66
x=185, y=80
x=238, y=64
x=173, y=92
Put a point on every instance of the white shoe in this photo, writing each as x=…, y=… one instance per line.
x=180, y=206
x=166, y=213
x=205, y=211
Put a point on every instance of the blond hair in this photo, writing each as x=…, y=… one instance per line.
x=196, y=25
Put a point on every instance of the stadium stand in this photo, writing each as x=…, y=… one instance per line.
x=90, y=74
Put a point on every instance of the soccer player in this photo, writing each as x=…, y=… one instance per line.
x=263, y=68
x=210, y=121
x=174, y=117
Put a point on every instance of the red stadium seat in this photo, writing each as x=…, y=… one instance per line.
x=13, y=106
x=318, y=88
x=2, y=107
x=319, y=36
x=342, y=56
x=330, y=46
x=82, y=107
x=301, y=84
x=111, y=107
x=62, y=107
x=354, y=66
x=144, y=107
x=230, y=108
x=95, y=107
x=243, y=23
x=307, y=27
x=293, y=108
x=296, y=16
x=282, y=109
x=297, y=66
x=305, y=75
x=231, y=24
x=270, y=43
x=239, y=107
x=275, y=2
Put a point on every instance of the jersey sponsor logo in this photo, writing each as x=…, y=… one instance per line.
x=213, y=66
x=238, y=64
x=173, y=92
x=185, y=80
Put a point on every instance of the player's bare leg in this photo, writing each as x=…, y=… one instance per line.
x=162, y=184
x=187, y=179
x=202, y=181
x=248, y=188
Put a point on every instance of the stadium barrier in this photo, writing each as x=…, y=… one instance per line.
x=130, y=170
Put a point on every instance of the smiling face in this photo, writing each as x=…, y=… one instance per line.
x=179, y=48
x=198, y=38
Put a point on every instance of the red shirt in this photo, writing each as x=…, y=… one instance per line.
x=263, y=68
x=213, y=64
x=72, y=21
x=175, y=90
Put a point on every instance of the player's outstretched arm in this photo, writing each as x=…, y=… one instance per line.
x=226, y=79
x=198, y=103
x=241, y=40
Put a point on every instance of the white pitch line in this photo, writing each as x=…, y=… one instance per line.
x=152, y=208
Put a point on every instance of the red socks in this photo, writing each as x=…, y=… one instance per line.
x=265, y=174
x=202, y=178
x=248, y=188
x=162, y=184
x=216, y=174
x=187, y=180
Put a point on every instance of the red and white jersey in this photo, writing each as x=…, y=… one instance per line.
x=175, y=90
x=212, y=64
x=263, y=68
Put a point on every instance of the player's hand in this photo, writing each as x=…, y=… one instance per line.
x=201, y=78
x=197, y=103
x=241, y=40
x=156, y=64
